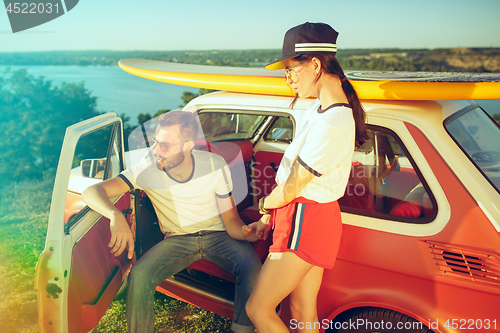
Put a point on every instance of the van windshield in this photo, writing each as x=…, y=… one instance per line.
x=478, y=135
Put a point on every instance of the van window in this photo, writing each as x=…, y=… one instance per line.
x=97, y=154
x=385, y=183
x=280, y=130
x=478, y=136
x=97, y=157
x=220, y=125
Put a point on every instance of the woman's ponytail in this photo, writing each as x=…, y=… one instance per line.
x=358, y=112
x=331, y=66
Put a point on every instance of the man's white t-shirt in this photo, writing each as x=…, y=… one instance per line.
x=184, y=207
x=324, y=145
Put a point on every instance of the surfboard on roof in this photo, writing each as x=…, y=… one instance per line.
x=368, y=84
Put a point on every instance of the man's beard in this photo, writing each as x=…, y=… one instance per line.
x=172, y=162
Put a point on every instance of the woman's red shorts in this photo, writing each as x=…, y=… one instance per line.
x=309, y=229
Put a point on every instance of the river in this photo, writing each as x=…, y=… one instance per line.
x=115, y=89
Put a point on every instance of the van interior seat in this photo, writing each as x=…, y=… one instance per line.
x=398, y=185
x=364, y=188
x=265, y=167
x=358, y=193
x=238, y=156
x=231, y=149
x=416, y=204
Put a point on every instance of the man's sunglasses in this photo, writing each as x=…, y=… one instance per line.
x=165, y=147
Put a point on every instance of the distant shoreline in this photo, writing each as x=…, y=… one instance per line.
x=461, y=59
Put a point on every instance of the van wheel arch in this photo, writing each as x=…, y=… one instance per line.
x=381, y=319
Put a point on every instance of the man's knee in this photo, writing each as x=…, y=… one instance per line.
x=136, y=276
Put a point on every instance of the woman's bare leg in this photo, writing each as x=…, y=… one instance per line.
x=280, y=275
x=303, y=301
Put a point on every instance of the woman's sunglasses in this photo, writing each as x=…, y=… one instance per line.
x=291, y=74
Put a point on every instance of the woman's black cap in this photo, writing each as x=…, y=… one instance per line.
x=307, y=38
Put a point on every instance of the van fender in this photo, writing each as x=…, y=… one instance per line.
x=410, y=306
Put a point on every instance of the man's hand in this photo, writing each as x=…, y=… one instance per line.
x=257, y=230
x=121, y=235
x=250, y=232
x=97, y=197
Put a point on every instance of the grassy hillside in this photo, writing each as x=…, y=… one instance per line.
x=24, y=212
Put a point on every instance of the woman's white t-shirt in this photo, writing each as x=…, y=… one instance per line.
x=324, y=145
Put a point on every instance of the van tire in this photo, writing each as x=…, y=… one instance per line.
x=382, y=321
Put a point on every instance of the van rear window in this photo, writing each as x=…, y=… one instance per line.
x=385, y=183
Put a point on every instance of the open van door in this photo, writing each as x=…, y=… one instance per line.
x=77, y=277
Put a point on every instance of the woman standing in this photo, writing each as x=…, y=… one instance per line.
x=312, y=175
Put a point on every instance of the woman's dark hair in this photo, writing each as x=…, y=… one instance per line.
x=330, y=65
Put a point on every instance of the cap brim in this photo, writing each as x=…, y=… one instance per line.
x=280, y=63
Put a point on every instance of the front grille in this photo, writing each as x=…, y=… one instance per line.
x=466, y=264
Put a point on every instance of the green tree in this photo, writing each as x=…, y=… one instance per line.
x=143, y=117
x=160, y=112
x=34, y=116
x=188, y=96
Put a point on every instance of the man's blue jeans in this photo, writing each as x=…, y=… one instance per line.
x=175, y=253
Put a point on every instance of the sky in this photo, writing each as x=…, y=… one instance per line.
x=258, y=24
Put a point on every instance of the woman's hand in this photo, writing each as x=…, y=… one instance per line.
x=287, y=191
x=265, y=225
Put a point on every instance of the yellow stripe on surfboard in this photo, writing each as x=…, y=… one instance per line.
x=228, y=82
x=260, y=81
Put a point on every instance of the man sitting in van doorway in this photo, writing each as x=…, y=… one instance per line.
x=191, y=193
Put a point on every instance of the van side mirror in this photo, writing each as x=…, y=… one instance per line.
x=93, y=168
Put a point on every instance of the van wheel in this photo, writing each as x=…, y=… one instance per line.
x=377, y=320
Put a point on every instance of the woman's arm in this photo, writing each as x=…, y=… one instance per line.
x=289, y=190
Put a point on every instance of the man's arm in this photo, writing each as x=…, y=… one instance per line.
x=235, y=227
x=97, y=197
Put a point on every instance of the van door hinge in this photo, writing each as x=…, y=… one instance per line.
x=127, y=211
